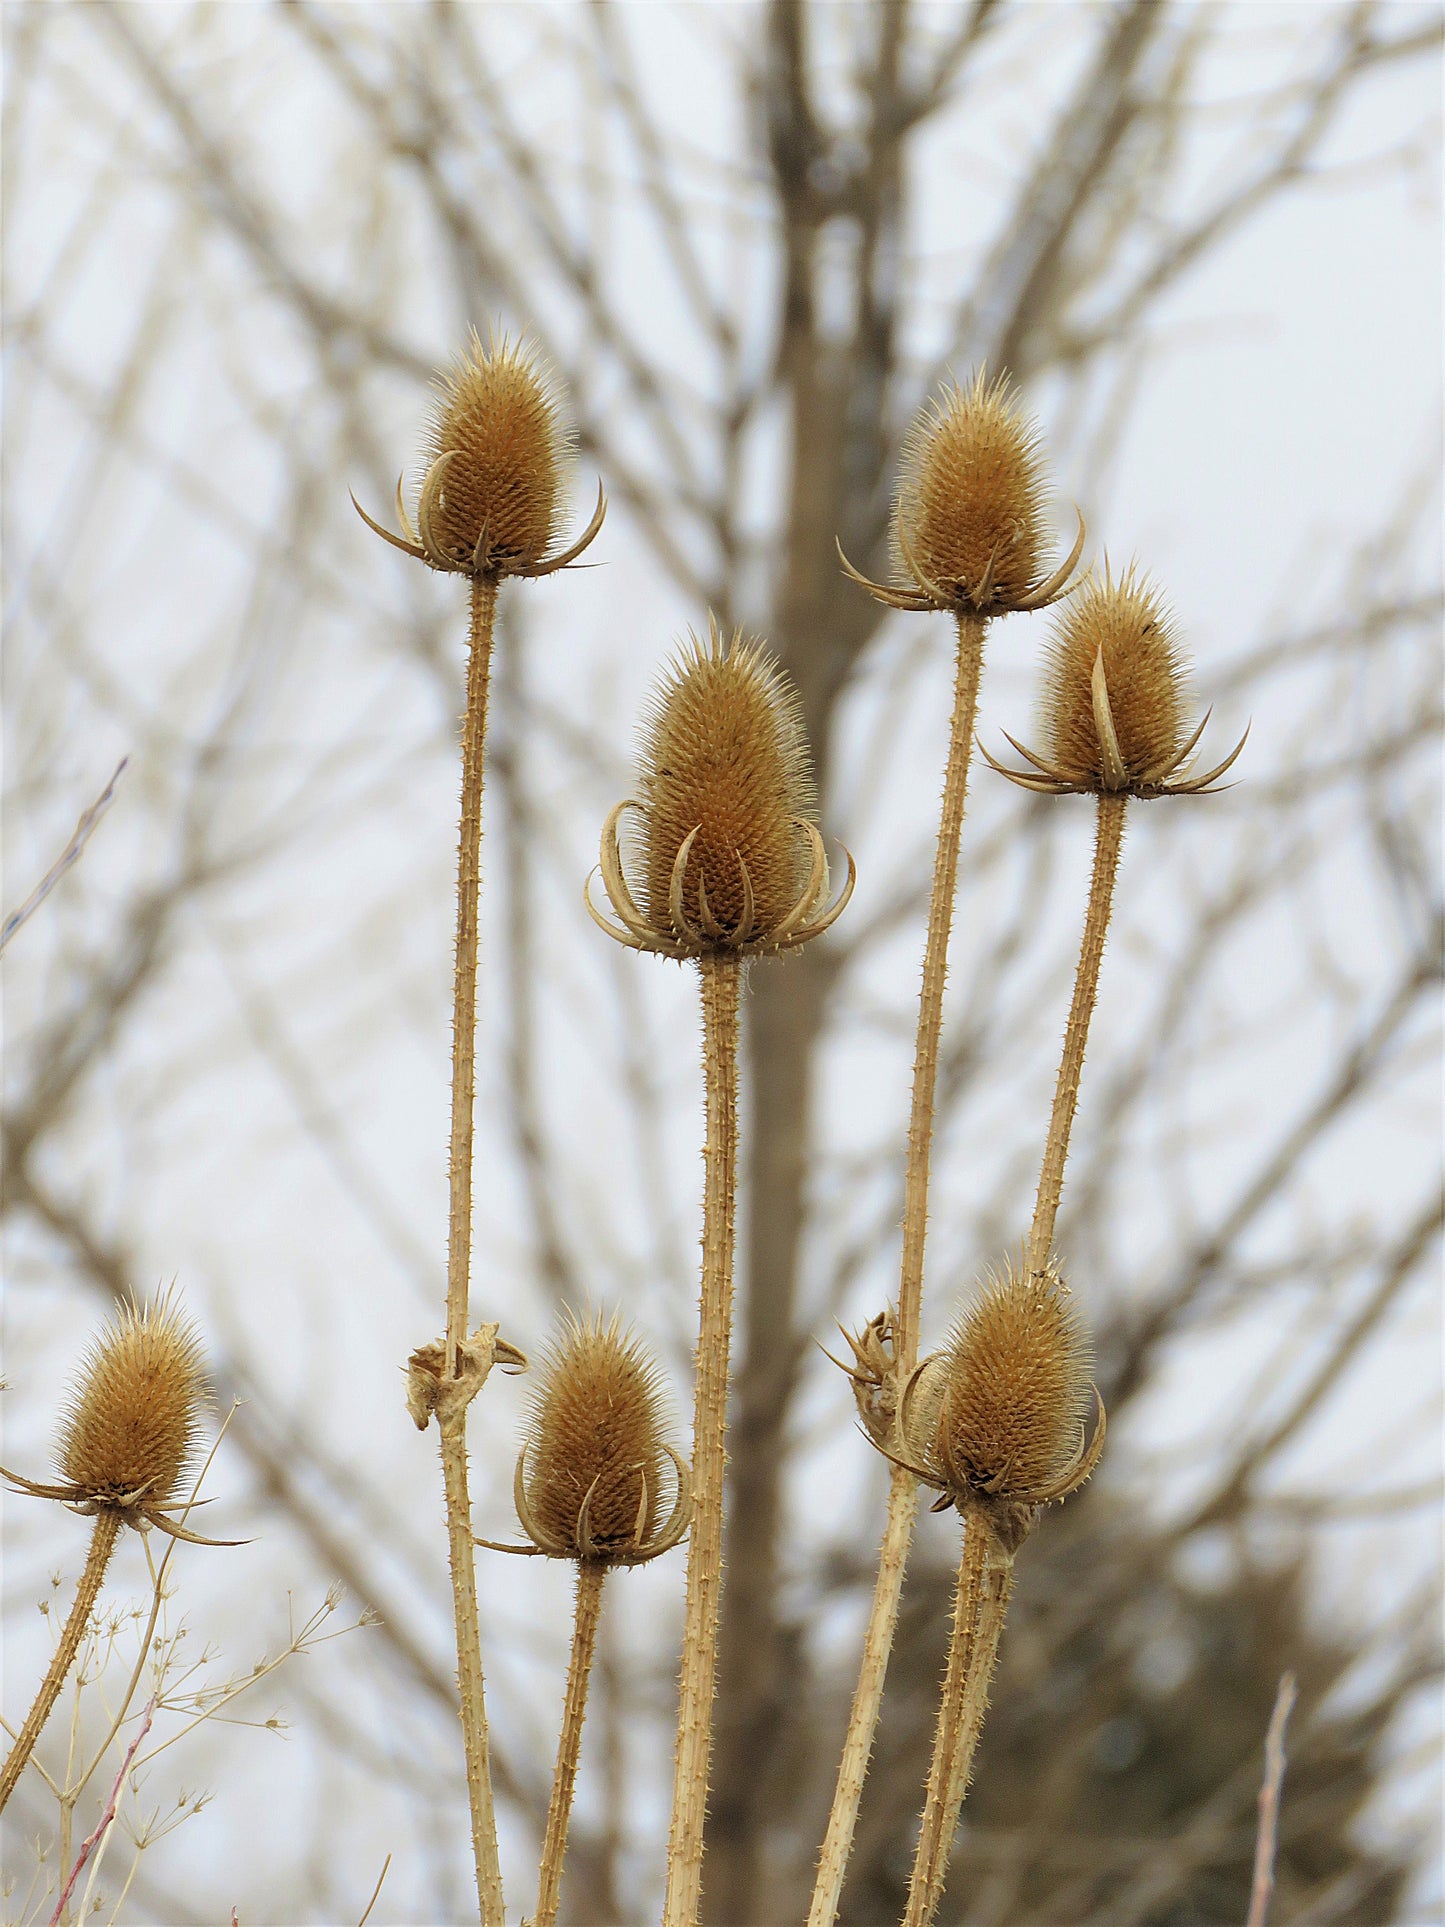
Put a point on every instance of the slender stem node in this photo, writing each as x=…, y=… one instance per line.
x=1108, y=838
x=721, y=977
x=590, y=1574
x=102, y=1545
x=903, y=1490
x=453, y=1420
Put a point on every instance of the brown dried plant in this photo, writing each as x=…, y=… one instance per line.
x=130, y=1426
x=600, y=1463
x=733, y=867
x=967, y=538
x=488, y=508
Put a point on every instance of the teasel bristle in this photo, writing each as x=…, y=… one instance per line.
x=1127, y=625
x=133, y=1416
x=970, y=509
x=497, y=426
x=1015, y=1399
x=724, y=760
x=597, y=1467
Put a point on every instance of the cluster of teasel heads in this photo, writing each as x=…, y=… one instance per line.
x=128, y=1435
x=724, y=863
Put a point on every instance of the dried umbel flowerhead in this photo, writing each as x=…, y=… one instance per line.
x=497, y=460
x=1116, y=699
x=731, y=857
x=998, y=1417
x=132, y=1418
x=591, y=1477
x=968, y=524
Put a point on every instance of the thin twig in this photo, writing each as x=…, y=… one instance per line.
x=89, y=819
x=1267, y=1838
x=107, y=1819
x=720, y=987
x=376, y=1891
x=902, y=1490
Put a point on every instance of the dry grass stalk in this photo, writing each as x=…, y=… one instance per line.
x=127, y=1436
x=967, y=536
x=1262, y=1883
x=733, y=867
x=488, y=508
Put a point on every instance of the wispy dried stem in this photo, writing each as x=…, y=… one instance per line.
x=1262, y=1886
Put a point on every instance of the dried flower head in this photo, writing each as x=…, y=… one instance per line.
x=497, y=460
x=591, y=1477
x=731, y=857
x=132, y=1419
x=998, y=1418
x=1115, y=700
x=968, y=522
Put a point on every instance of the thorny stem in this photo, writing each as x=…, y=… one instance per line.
x=590, y=1574
x=102, y=1545
x=1108, y=838
x=720, y=986
x=903, y=1489
x=993, y=1606
x=452, y=1420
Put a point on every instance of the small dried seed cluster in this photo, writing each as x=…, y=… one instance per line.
x=134, y=1414
x=498, y=434
x=597, y=1461
x=1000, y=1413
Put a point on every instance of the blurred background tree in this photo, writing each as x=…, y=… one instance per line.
x=239, y=241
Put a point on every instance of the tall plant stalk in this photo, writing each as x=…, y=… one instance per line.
x=903, y=1487
x=721, y=980
x=1108, y=838
x=590, y=1574
x=452, y=1415
x=102, y=1545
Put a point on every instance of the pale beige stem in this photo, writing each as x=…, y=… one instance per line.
x=992, y=1610
x=590, y=1574
x=903, y=1489
x=453, y=1420
x=967, y=1598
x=1108, y=837
x=102, y=1545
x=720, y=987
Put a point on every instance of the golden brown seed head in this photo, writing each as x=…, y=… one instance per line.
x=1013, y=1408
x=1144, y=673
x=723, y=753
x=971, y=493
x=597, y=1426
x=134, y=1413
x=497, y=420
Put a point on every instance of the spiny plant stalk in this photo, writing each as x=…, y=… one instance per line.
x=967, y=536
x=102, y=1544
x=720, y=985
x=732, y=866
x=1108, y=838
x=488, y=507
x=590, y=1574
x=127, y=1436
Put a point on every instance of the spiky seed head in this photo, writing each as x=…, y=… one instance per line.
x=1016, y=1395
x=598, y=1425
x=134, y=1412
x=497, y=417
x=1145, y=674
x=723, y=753
x=972, y=491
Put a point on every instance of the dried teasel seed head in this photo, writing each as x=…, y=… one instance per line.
x=596, y=1466
x=1015, y=1403
x=1127, y=626
x=134, y=1412
x=723, y=755
x=969, y=513
x=497, y=433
